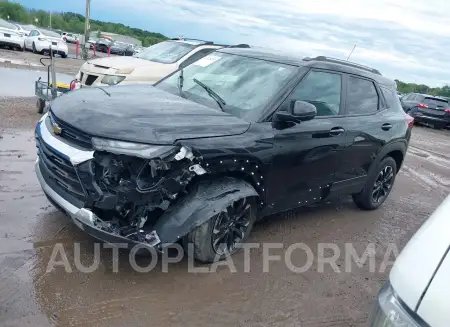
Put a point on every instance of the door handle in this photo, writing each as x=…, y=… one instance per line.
x=386, y=127
x=335, y=131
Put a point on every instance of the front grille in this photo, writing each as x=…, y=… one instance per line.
x=59, y=173
x=90, y=79
x=72, y=134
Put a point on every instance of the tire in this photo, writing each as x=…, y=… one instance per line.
x=40, y=105
x=385, y=171
x=64, y=56
x=34, y=48
x=204, y=236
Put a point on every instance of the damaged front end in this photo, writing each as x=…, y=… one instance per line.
x=129, y=186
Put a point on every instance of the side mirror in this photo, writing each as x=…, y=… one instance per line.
x=297, y=112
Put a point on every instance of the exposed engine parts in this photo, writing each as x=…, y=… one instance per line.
x=134, y=192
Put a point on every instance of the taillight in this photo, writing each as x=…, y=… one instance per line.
x=447, y=110
x=421, y=105
x=409, y=120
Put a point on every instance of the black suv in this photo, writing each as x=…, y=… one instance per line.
x=428, y=109
x=236, y=136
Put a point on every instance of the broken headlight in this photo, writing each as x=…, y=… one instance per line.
x=140, y=150
x=391, y=312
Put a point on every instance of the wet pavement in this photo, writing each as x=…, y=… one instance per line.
x=30, y=227
x=20, y=82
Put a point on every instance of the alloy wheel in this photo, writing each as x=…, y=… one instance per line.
x=383, y=184
x=231, y=227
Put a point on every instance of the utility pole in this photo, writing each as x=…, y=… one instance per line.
x=50, y=19
x=86, y=30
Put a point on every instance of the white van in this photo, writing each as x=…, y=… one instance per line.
x=417, y=293
x=148, y=66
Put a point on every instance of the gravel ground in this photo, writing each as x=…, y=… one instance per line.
x=18, y=113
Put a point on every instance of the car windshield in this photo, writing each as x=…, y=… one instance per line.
x=28, y=27
x=5, y=24
x=244, y=84
x=166, y=52
x=50, y=33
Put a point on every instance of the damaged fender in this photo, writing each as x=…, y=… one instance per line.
x=202, y=203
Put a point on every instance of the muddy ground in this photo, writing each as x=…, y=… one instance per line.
x=30, y=227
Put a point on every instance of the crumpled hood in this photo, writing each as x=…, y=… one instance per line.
x=122, y=62
x=142, y=113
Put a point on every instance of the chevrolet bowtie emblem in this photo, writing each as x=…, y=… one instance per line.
x=56, y=129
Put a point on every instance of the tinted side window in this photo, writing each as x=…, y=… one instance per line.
x=196, y=56
x=322, y=89
x=362, y=97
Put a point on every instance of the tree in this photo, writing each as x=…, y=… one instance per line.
x=73, y=22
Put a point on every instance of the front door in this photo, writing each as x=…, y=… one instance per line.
x=308, y=153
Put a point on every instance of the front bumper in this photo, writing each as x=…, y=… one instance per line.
x=84, y=218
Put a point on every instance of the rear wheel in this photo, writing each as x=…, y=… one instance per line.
x=40, y=105
x=378, y=185
x=224, y=234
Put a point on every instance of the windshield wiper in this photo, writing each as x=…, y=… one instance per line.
x=221, y=102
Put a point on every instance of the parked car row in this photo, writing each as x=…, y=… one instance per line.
x=29, y=37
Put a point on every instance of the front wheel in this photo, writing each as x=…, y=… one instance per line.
x=225, y=233
x=40, y=105
x=378, y=185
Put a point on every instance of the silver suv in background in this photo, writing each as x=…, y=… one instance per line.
x=148, y=66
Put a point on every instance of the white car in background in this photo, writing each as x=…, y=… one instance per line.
x=25, y=29
x=417, y=293
x=11, y=36
x=40, y=41
x=69, y=37
x=148, y=66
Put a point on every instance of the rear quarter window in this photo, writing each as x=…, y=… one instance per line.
x=391, y=97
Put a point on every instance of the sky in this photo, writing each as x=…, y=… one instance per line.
x=404, y=39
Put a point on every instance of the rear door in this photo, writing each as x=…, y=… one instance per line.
x=369, y=125
x=409, y=101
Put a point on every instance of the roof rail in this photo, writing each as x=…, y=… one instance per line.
x=343, y=62
x=190, y=39
x=242, y=45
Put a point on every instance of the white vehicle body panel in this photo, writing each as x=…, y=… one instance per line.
x=416, y=266
x=144, y=71
x=434, y=308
